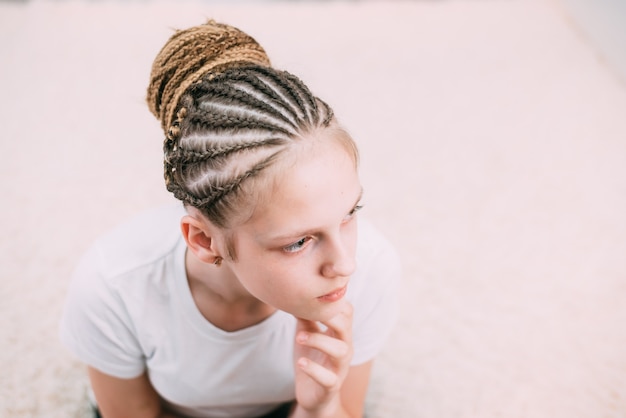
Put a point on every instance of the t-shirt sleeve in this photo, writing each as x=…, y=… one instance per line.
x=377, y=302
x=95, y=325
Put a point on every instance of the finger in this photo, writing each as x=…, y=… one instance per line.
x=321, y=375
x=341, y=324
x=336, y=349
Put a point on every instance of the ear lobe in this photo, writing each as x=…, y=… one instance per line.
x=200, y=239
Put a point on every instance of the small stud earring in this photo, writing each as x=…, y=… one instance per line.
x=218, y=261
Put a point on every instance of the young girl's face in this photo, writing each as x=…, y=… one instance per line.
x=297, y=252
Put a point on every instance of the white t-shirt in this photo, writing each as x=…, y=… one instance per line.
x=129, y=309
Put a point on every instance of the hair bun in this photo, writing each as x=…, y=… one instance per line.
x=190, y=54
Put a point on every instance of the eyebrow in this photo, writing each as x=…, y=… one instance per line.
x=314, y=230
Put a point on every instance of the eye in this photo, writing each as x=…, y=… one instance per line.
x=297, y=246
x=353, y=212
x=356, y=209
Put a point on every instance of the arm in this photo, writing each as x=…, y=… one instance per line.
x=126, y=398
x=326, y=385
x=354, y=389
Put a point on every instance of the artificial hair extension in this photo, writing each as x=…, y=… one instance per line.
x=189, y=55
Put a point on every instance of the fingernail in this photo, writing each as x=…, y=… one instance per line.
x=302, y=362
x=302, y=337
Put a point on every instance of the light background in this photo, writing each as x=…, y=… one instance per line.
x=493, y=141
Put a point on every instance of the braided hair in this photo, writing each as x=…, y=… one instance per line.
x=227, y=116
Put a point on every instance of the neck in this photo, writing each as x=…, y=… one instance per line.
x=221, y=298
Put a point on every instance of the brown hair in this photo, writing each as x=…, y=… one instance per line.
x=227, y=115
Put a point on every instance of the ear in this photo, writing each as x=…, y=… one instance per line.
x=201, y=237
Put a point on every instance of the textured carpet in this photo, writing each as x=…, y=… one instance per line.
x=493, y=141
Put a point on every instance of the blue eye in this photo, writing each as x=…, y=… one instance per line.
x=297, y=246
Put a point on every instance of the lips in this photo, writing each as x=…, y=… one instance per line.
x=334, y=296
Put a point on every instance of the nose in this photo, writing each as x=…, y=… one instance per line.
x=340, y=260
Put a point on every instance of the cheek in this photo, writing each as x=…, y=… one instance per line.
x=289, y=281
x=270, y=279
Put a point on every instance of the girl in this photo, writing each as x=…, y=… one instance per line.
x=272, y=301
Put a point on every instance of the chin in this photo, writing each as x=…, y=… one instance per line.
x=321, y=313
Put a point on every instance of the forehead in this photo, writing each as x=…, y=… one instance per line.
x=314, y=185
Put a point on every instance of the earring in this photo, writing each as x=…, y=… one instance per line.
x=218, y=261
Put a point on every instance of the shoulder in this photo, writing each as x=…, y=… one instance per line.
x=137, y=242
x=373, y=291
x=122, y=275
x=373, y=247
x=378, y=265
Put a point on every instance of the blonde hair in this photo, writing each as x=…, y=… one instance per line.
x=227, y=115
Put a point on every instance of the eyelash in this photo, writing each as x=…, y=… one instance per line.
x=353, y=212
x=297, y=246
x=301, y=243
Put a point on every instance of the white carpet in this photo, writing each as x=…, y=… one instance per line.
x=493, y=140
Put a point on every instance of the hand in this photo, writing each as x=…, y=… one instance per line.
x=322, y=363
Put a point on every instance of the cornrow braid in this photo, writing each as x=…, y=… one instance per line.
x=226, y=126
x=263, y=100
x=220, y=190
x=192, y=157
